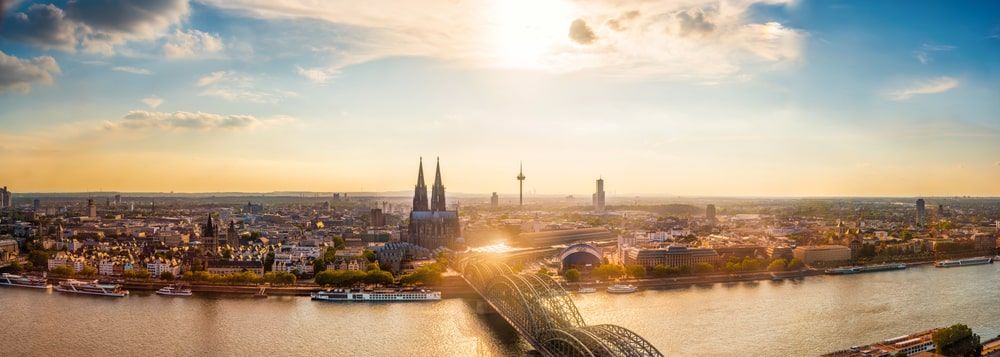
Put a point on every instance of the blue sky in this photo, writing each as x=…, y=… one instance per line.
x=689, y=97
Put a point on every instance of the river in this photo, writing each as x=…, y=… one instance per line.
x=802, y=317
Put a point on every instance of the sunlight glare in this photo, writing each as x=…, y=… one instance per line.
x=525, y=31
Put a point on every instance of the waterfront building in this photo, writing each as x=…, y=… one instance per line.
x=599, y=197
x=985, y=241
x=819, y=253
x=921, y=212
x=434, y=226
x=159, y=266
x=223, y=267
x=674, y=256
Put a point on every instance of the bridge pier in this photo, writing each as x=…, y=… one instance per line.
x=482, y=308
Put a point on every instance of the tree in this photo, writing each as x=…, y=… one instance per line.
x=369, y=255
x=87, y=271
x=67, y=271
x=636, y=271
x=168, y=276
x=777, y=265
x=703, y=268
x=338, y=243
x=378, y=277
x=372, y=267
x=796, y=264
x=957, y=341
x=543, y=271
x=608, y=271
x=319, y=264
x=572, y=275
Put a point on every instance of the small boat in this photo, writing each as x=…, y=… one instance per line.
x=173, y=291
x=587, y=290
x=24, y=281
x=622, y=289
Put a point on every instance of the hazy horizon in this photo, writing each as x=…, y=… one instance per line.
x=695, y=98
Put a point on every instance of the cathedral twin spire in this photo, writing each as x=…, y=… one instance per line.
x=437, y=201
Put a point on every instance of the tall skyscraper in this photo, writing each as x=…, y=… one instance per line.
x=494, y=200
x=5, y=198
x=921, y=212
x=710, y=214
x=599, y=196
x=91, y=208
x=520, y=190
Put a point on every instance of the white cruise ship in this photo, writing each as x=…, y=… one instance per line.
x=90, y=288
x=376, y=295
x=622, y=289
x=963, y=262
x=24, y=281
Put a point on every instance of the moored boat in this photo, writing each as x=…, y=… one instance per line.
x=622, y=289
x=376, y=295
x=90, y=288
x=24, y=281
x=587, y=290
x=963, y=262
x=173, y=291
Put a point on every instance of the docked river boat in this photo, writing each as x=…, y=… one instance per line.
x=24, y=281
x=90, y=288
x=376, y=295
x=173, y=291
x=963, y=262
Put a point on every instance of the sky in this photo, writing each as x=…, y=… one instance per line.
x=688, y=97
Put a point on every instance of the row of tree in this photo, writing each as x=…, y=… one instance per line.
x=244, y=277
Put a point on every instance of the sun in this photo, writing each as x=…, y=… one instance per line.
x=525, y=32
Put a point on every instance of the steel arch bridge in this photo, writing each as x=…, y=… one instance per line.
x=543, y=313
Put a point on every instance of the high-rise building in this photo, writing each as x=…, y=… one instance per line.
x=376, y=218
x=599, y=196
x=710, y=214
x=36, y=204
x=91, y=208
x=434, y=227
x=5, y=198
x=494, y=200
x=921, y=212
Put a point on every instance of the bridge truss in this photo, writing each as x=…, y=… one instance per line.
x=541, y=311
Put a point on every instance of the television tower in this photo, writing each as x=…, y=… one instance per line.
x=520, y=180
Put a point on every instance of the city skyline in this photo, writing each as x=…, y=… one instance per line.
x=695, y=98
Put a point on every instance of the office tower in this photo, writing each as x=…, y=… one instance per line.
x=710, y=214
x=494, y=200
x=921, y=212
x=599, y=196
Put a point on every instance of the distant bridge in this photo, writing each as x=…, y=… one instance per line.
x=542, y=312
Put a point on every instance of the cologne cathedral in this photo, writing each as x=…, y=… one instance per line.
x=432, y=225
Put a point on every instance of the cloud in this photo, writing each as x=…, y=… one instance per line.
x=18, y=74
x=580, y=33
x=143, y=120
x=132, y=70
x=936, y=85
x=693, y=21
x=42, y=26
x=317, y=75
x=645, y=40
x=236, y=87
x=189, y=43
x=153, y=101
x=621, y=22
x=211, y=78
x=924, y=53
x=96, y=26
x=997, y=163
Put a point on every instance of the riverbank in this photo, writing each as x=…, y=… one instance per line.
x=450, y=287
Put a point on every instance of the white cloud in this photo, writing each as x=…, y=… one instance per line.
x=237, y=87
x=317, y=75
x=936, y=85
x=153, y=101
x=924, y=53
x=211, y=78
x=683, y=39
x=191, y=43
x=144, y=120
x=18, y=74
x=132, y=70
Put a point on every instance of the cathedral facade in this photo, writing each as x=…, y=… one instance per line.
x=432, y=225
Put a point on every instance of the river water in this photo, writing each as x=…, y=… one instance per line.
x=802, y=317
